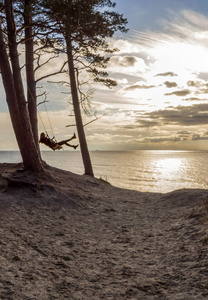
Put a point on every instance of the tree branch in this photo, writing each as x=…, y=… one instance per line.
x=61, y=71
x=42, y=102
x=71, y=125
x=60, y=82
x=45, y=100
x=97, y=118
x=44, y=63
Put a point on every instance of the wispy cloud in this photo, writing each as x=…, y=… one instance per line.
x=179, y=93
x=139, y=87
x=171, y=74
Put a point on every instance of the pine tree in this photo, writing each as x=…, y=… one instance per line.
x=84, y=26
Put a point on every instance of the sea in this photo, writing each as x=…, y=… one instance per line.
x=141, y=170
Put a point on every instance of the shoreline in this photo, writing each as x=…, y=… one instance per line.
x=75, y=237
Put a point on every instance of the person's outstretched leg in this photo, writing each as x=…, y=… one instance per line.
x=73, y=146
x=64, y=142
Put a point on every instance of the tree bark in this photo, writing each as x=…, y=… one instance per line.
x=15, y=96
x=75, y=99
x=30, y=77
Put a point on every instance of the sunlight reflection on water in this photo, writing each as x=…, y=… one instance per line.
x=147, y=171
x=168, y=167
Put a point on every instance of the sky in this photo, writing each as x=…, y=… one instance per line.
x=161, y=99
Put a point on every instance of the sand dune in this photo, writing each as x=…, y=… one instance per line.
x=74, y=237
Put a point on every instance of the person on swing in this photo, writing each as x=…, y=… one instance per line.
x=51, y=143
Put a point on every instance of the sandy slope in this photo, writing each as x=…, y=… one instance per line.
x=73, y=237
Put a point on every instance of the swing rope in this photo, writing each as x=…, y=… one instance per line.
x=51, y=142
x=41, y=119
x=49, y=122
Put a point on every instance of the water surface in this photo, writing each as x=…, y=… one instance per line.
x=148, y=171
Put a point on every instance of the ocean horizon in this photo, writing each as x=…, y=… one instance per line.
x=141, y=170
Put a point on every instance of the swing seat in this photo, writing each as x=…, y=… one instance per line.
x=51, y=143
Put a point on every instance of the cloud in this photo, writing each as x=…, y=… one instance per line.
x=193, y=137
x=141, y=123
x=185, y=135
x=179, y=93
x=182, y=115
x=135, y=87
x=184, y=132
x=171, y=74
x=170, y=84
x=186, y=25
x=198, y=84
x=125, y=46
x=128, y=65
x=175, y=63
x=181, y=45
x=122, y=81
x=147, y=123
x=128, y=61
x=193, y=99
x=162, y=139
x=192, y=83
x=203, y=91
x=125, y=61
x=148, y=59
x=198, y=137
x=203, y=75
x=159, y=139
x=179, y=116
x=128, y=127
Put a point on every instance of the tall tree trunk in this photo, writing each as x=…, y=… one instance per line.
x=10, y=90
x=15, y=96
x=29, y=59
x=75, y=99
x=14, y=55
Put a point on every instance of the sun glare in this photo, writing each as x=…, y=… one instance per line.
x=178, y=56
x=169, y=166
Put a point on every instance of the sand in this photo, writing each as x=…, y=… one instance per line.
x=75, y=237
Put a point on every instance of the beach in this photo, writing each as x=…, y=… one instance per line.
x=67, y=236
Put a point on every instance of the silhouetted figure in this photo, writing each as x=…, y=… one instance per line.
x=53, y=144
